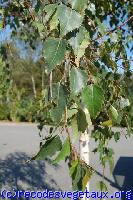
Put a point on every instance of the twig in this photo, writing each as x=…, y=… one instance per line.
x=118, y=27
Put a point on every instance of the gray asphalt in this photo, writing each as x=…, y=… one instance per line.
x=18, y=142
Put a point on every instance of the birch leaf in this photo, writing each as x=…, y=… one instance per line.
x=80, y=42
x=69, y=19
x=65, y=151
x=113, y=113
x=93, y=98
x=54, y=52
x=49, y=9
x=78, y=80
x=51, y=146
x=79, y=5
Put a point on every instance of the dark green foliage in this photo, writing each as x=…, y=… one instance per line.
x=49, y=148
x=4, y=112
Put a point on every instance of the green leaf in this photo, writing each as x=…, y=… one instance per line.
x=93, y=98
x=117, y=136
x=54, y=22
x=54, y=52
x=101, y=186
x=71, y=113
x=113, y=113
x=101, y=26
x=82, y=48
x=107, y=123
x=51, y=146
x=65, y=151
x=85, y=180
x=74, y=126
x=110, y=152
x=69, y=19
x=77, y=177
x=56, y=113
x=114, y=37
x=73, y=167
x=1, y=25
x=111, y=164
x=78, y=80
x=81, y=174
x=80, y=42
x=79, y=5
x=82, y=122
x=39, y=26
x=50, y=9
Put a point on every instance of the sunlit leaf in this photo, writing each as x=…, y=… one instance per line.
x=85, y=180
x=54, y=22
x=107, y=123
x=54, y=52
x=79, y=5
x=69, y=19
x=71, y=113
x=93, y=98
x=113, y=113
x=49, y=9
x=80, y=42
x=101, y=26
x=78, y=80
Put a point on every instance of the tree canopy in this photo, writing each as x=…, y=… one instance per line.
x=86, y=58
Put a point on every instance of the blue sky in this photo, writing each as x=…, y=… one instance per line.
x=25, y=51
x=5, y=35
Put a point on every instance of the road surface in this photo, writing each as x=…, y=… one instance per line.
x=18, y=142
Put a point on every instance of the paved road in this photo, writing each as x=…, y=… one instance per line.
x=20, y=141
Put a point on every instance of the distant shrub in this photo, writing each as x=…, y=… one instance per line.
x=24, y=110
x=4, y=112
